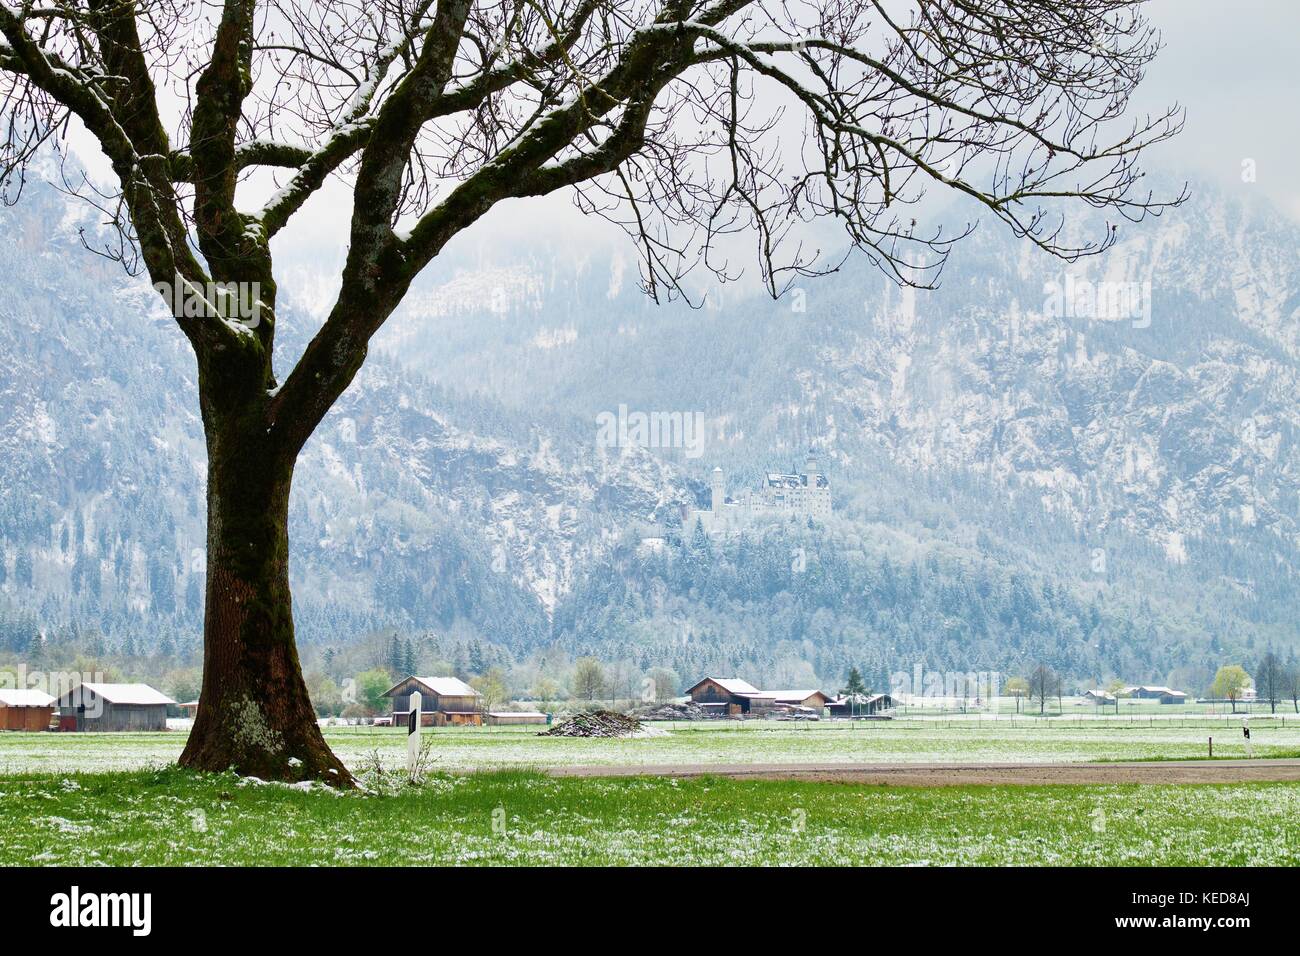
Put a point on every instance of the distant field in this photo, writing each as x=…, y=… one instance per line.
x=911, y=740
x=1128, y=707
x=170, y=817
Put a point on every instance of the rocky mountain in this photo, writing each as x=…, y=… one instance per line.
x=1095, y=464
x=412, y=506
x=1153, y=388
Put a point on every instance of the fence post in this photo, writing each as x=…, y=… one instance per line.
x=414, y=722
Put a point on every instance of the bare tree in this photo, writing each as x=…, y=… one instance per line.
x=1018, y=688
x=1044, y=683
x=1270, y=677
x=685, y=121
x=1291, y=681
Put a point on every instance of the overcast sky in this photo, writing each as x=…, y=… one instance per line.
x=1234, y=65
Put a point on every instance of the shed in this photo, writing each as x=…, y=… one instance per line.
x=876, y=703
x=113, y=707
x=443, y=701
x=505, y=717
x=1098, y=696
x=860, y=705
x=22, y=709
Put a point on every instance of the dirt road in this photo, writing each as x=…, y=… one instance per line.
x=946, y=775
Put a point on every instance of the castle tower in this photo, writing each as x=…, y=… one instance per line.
x=810, y=468
x=719, y=490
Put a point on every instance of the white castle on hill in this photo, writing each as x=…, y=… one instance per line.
x=806, y=495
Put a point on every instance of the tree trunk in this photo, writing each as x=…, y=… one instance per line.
x=255, y=715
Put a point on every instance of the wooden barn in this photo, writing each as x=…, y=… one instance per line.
x=730, y=695
x=113, y=707
x=814, y=699
x=25, y=709
x=445, y=702
x=1166, y=695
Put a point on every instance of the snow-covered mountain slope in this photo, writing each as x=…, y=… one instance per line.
x=396, y=460
x=1153, y=388
x=1014, y=475
x=411, y=506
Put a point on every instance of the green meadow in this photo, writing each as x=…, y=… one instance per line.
x=173, y=817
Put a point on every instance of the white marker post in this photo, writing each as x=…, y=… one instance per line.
x=413, y=728
x=1245, y=732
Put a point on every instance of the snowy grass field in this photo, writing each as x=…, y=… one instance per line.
x=114, y=799
x=902, y=741
x=170, y=817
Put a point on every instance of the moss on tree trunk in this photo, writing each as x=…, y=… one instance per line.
x=255, y=715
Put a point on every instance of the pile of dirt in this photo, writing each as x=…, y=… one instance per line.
x=597, y=723
x=674, y=711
